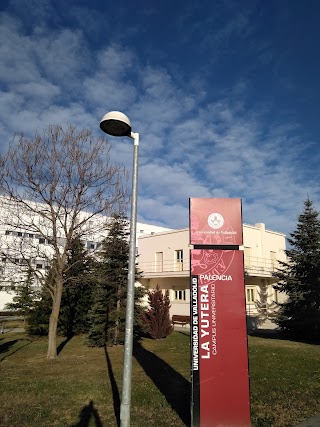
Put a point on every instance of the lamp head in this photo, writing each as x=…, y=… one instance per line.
x=116, y=123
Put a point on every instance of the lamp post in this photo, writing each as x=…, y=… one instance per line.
x=116, y=123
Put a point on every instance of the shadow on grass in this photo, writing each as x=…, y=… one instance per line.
x=175, y=388
x=62, y=345
x=279, y=335
x=186, y=332
x=5, y=347
x=267, y=333
x=86, y=414
x=115, y=390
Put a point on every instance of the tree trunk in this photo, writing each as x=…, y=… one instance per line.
x=53, y=321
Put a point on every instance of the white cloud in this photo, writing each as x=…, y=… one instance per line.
x=38, y=90
x=191, y=145
x=174, y=215
x=173, y=182
x=62, y=55
x=17, y=62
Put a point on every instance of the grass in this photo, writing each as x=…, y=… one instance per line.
x=82, y=388
x=284, y=383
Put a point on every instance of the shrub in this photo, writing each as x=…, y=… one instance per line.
x=156, y=320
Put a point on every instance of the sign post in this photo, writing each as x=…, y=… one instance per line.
x=219, y=352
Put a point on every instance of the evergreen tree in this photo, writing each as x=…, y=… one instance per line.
x=156, y=320
x=266, y=309
x=38, y=319
x=77, y=294
x=98, y=318
x=299, y=278
x=24, y=299
x=108, y=313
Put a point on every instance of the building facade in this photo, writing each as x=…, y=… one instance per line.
x=25, y=243
x=164, y=259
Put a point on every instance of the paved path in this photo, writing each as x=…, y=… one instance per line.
x=311, y=422
x=5, y=330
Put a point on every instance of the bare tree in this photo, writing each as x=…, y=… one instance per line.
x=53, y=187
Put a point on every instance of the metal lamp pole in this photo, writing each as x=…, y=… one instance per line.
x=118, y=124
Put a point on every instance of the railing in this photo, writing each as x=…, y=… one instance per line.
x=253, y=266
x=155, y=268
x=264, y=267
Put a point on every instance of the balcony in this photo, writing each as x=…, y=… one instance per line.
x=165, y=268
x=253, y=266
x=260, y=267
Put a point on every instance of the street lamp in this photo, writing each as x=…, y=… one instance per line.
x=116, y=123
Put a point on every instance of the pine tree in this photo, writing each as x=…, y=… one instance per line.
x=77, y=294
x=156, y=320
x=108, y=313
x=299, y=278
x=23, y=301
x=266, y=309
x=38, y=318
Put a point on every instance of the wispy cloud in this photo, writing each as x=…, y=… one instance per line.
x=193, y=143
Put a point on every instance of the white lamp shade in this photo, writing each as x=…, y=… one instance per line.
x=116, y=123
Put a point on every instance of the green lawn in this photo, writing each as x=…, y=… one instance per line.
x=82, y=388
x=285, y=381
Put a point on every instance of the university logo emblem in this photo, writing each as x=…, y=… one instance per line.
x=215, y=220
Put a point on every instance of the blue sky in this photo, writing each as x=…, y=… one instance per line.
x=224, y=94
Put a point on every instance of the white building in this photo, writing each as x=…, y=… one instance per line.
x=25, y=240
x=164, y=259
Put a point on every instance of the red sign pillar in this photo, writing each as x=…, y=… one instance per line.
x=219, y=354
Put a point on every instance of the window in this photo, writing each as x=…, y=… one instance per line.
x=42, y=240
x=178, y=260
x=250, y=295
x=39, y=266
x=180, y=295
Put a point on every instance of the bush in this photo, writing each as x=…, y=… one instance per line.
x=156, y=320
